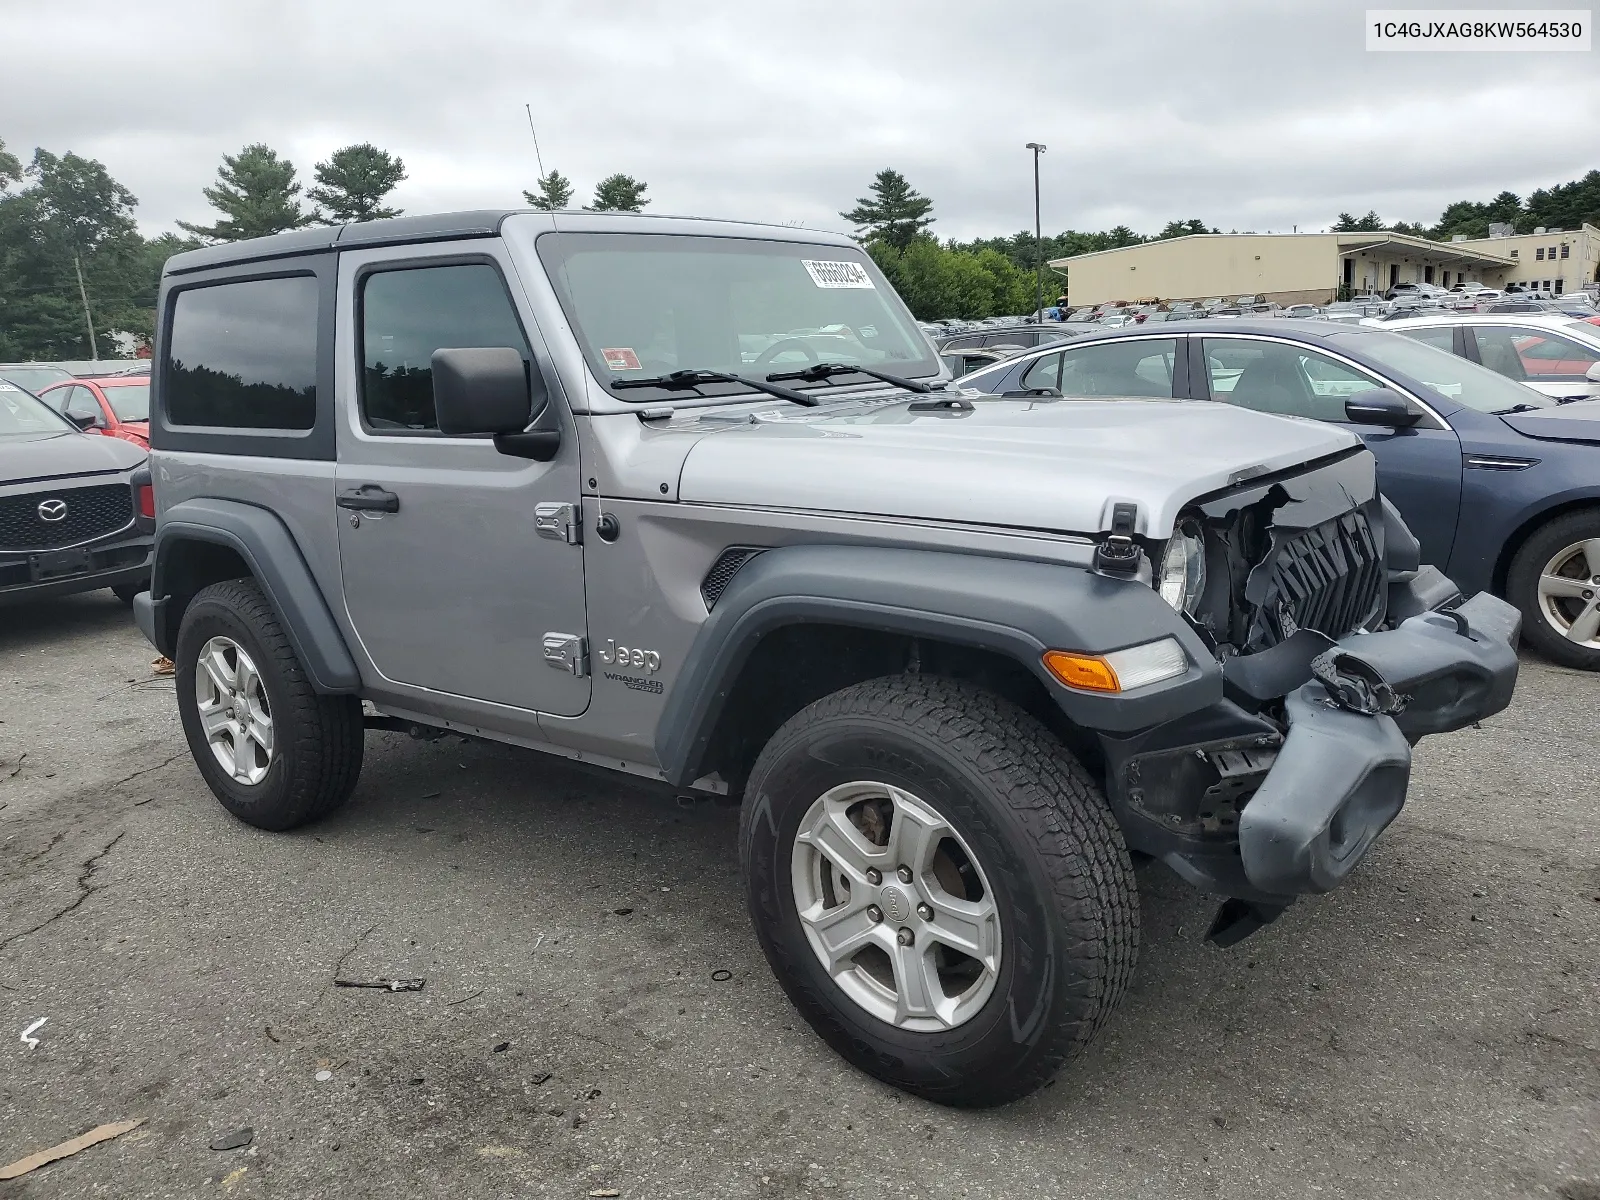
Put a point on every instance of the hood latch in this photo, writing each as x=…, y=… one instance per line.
x=1116, y=553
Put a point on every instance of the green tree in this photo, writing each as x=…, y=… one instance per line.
x=893, y=215
x=352, y=184
x=619, y=193
x=555, y=192
x=944, y=281
x=255, y=193
x=1565, y=206
x=1175, y=229
x=1346, y=223
x=10, y=167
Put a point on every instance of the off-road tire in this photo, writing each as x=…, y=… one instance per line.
x=127, y=591
x=317, y=738
x=1522, y=586
x=1043, y=835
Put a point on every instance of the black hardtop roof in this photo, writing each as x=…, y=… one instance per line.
x=480, y=223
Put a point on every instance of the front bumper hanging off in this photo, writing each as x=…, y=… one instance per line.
x=1341, y=774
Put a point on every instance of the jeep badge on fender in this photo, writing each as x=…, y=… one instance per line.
x=624, y=656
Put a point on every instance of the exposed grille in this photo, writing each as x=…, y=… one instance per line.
x=91, y=512
x=723, y=570
x=1328, y=578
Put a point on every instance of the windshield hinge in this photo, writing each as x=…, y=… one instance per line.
x=559, y=522
x=1116, y=553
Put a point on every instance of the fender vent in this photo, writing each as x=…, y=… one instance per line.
x=723, y=570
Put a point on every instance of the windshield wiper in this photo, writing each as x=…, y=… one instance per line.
x=677, y=381
x=1515, y=408
x=823, y=371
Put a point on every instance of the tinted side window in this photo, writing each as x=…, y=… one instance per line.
x=1441, y=336
x=1278, y=378
x=407, y=314
x=1044, y=373
x=244, y=355
x=82, y=405
x=1132, y=368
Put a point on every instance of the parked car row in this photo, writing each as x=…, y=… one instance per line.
x=1499, y=482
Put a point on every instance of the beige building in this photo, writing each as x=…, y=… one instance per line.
x=1562, y=261
x=1290, y=268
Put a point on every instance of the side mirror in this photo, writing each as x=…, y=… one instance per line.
x=490, y=389
x=1381, y=406
x=82, y=420
x=1593, y=373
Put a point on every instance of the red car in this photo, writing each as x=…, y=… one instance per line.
x=115, y=405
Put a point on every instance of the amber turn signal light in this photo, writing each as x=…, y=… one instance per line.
x=1087, y=672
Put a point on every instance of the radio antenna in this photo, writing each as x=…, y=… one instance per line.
x=537, y=157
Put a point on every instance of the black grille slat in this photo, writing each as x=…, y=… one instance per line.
x=1327, y=578
x=91, y=512
x=728, y=564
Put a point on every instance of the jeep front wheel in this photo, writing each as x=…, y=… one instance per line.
x=271, y=748
x=939, y=886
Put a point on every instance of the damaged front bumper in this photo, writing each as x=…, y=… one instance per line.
x=1263, y=809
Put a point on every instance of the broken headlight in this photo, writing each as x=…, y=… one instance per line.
x=1183, y=569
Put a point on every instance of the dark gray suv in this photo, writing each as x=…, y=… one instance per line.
x=76, y=510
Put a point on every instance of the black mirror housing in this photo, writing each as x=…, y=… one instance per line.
x=485, y=389
x=1381, y=406
x=84, y=422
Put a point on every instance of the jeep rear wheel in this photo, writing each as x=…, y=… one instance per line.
x=939, y=886
x=275, y=752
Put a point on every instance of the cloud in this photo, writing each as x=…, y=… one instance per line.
x=1252, y=115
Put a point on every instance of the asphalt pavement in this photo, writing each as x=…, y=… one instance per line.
x=596, y=1016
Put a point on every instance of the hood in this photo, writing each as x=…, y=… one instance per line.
x=1579, y=422
x=1056, y=465
x=26, y=457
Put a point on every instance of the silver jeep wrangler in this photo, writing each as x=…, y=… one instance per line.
x=694, y=501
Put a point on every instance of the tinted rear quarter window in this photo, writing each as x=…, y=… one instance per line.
x=244, y=355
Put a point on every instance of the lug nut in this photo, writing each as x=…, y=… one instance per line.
x=874, y=876
x=874, y=913
x=904, y=937
x=925, y=912
x=905, y=874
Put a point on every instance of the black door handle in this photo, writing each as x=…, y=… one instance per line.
x=369, y=497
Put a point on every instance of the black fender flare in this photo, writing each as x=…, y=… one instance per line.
x=267, y=547
x=1015, y=607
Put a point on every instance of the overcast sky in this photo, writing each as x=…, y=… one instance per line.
x=1250, y=114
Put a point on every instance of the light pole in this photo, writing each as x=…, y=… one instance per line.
x=1038, y=237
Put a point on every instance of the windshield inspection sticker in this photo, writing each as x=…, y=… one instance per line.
x=837, y=274
x=620, y=358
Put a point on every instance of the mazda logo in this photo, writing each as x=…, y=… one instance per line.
x=52, y=510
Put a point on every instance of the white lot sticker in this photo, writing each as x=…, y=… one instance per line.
x=620, y=358
x=838, y=274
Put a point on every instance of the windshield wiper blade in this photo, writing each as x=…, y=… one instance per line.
x=677, y=381
x=1514, y=409
x=822, y=371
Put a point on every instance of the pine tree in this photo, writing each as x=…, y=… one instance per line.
x=256, y=193
x=351, y=185
x=619, y=193
x=555, y=192
x=893, y=215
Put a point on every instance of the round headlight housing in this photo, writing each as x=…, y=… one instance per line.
x=1183, y=569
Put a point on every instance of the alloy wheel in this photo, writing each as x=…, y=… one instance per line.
x=234, y=710
x=1569, y=593
x=896, y=907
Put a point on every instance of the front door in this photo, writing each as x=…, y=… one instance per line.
x=455, y=590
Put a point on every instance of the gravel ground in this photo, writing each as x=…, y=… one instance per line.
x=597, y=1015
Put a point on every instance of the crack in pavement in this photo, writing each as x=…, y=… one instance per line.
x=147, y=770
x=85, y=890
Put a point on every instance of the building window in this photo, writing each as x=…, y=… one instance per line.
x=1515, y=254
x=1566, y=250
x=1349, y=271
x=1427, y=274
x=1561, y=286
x=1539, y=254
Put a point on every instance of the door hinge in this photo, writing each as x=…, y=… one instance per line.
x=567, y=652
x=559, y=522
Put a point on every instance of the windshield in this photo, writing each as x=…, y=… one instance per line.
x=1462, y=381
x=644, y=305
x=131, y=401
x=21, y=413
x=35, y=378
